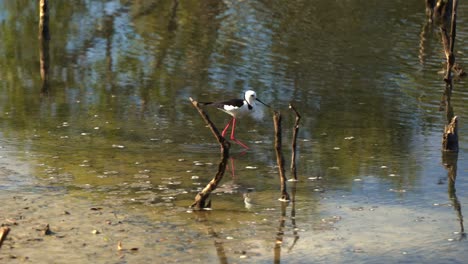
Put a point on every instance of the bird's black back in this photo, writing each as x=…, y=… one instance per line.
x=221, y=104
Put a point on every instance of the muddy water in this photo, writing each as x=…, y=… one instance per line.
x=113, y=129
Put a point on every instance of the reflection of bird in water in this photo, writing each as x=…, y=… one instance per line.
x=237, y=108
x=248, y=200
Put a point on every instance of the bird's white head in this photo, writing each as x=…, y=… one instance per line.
x=250, y=97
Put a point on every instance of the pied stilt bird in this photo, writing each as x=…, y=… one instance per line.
x=237, y=108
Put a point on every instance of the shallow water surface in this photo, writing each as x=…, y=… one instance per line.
x=113, y=124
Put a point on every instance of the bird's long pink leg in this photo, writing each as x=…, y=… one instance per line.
x=227, y=126
x=232, y=135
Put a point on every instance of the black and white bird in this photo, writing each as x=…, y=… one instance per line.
x=237, y=108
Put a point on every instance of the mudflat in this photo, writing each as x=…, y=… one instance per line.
x=47, y=225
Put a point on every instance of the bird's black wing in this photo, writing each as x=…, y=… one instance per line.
x=221, y=104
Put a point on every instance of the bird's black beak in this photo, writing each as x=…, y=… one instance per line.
x=262, y=102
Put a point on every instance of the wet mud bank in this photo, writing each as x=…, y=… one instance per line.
x=46, y=225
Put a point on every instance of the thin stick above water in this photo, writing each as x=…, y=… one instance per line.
x=294, y=141
x=279, y=156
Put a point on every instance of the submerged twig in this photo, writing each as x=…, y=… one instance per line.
x=294, y=141
x=202, y=196
x=279, y=156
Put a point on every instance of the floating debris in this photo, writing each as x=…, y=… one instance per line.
x=118, y=146
x=110, y=172
x=397, y=191
x=336, y=148
x=316, y=178
x=140, y=176
x=251, y=167
x=349, y=138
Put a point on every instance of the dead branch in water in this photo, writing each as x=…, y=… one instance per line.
x=450, y=137
x=3, y=234
x=202, y=196
x=447, y=14
x=449, y=43
x=279, y=156
x=294, y=140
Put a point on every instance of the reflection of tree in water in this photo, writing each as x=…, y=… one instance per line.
x=44, y=38
x=450, y=162
x=219, y=245
x=444, y=14
x=282, y=224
